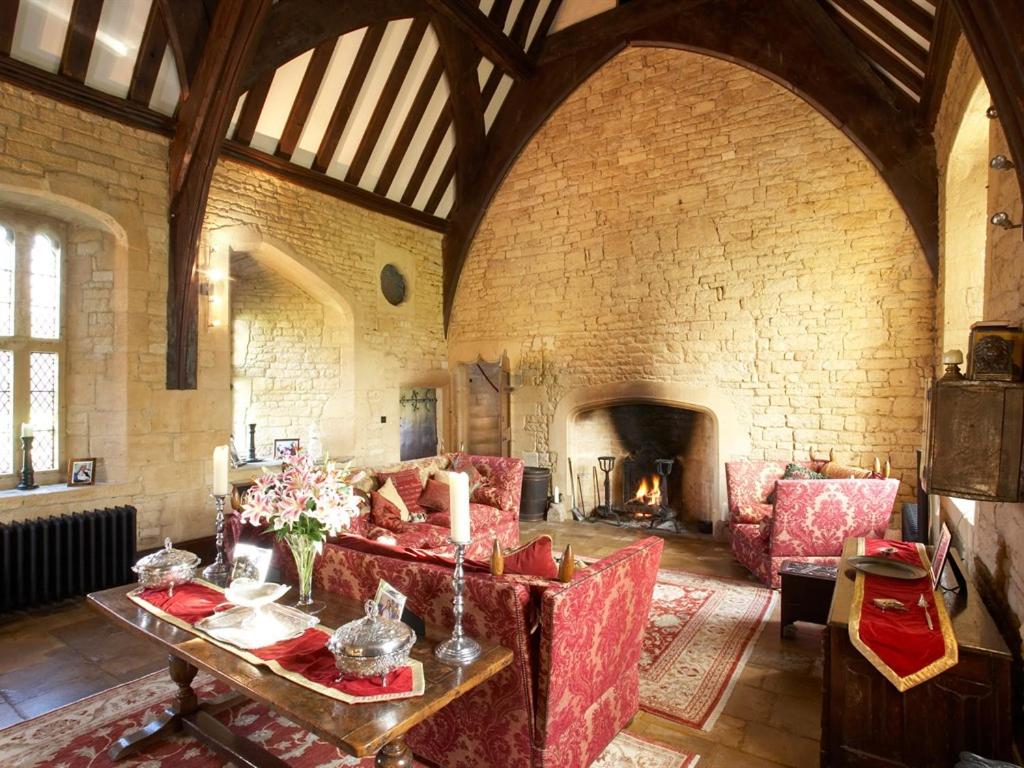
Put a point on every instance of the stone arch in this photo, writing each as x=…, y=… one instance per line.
x=337, y=422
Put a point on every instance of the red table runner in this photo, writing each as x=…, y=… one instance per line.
x=899, y=643
x=304, y=659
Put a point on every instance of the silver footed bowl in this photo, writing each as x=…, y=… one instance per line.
x=166, y=568
x=373, y=646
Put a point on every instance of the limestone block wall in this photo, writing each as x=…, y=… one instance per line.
x=286, y=357
x=990, y=535
x=335, y=252
x=682, y=219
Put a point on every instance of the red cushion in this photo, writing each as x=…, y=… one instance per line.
x=407, y=483
x=385, y=514
x=534, y=558
x=435, y=496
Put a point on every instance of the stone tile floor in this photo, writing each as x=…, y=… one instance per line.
x=51, y=657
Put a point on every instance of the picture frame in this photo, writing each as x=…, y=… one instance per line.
x=940, y=555
x=251, y=562
x=996, y=352
x=286, y=446
x=389, y=601
x=82, y=471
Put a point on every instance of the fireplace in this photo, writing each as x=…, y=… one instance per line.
x=658, y=462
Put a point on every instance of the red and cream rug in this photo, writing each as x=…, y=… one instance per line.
x=700, y=634
x=78, y=736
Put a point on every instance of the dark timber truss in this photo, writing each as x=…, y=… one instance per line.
x=875, y=68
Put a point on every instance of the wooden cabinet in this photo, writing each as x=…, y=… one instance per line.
x=975, y=439
x=867, y=723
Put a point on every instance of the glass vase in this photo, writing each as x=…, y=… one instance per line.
x=304, y=550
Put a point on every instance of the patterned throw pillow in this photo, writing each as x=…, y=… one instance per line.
x=385, y=514
x=797, y=472
x=435, y=496
x=407, y=483
x=836, y=471
x=390, y=492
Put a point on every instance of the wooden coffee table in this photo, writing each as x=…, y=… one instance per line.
x=362, y=730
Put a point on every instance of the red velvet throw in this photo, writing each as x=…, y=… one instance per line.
x=899, y=643
x=304, y=660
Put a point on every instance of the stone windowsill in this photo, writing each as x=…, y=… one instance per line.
x=54, y=491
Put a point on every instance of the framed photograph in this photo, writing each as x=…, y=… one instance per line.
x=251, y=562
x=236, y=461
x=941, y=553
x=390, y=602
x=81, y=471
x=286, y=446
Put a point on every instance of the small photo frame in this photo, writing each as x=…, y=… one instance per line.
x=250, y=562
x=390, y=602
x=82, y=471
x=941, y=553
x=286, y=446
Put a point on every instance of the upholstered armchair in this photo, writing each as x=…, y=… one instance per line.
x=805, y=520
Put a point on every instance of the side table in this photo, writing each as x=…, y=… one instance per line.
x=806, y=592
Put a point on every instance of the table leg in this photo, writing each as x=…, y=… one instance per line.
x=395, y=754
x=185, y=703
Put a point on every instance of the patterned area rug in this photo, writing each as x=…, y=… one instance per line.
x=700, y=634
x=78, y=736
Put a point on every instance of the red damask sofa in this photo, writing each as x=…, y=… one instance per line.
x=498, y=520
x=574, y=680
x=808, y=520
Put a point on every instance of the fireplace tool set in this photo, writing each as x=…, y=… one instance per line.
x=653, y=510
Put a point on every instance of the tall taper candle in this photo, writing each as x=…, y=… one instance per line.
x=458, y=506
x=221, y=487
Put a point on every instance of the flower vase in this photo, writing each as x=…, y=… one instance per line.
x=305, y=550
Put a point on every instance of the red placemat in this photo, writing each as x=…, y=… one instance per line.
x=304, y=659
x=898, y=643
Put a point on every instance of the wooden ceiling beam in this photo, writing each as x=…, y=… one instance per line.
x=809, y=55
x=879, y=54
x=996, y=36
x=199, y=136
x=188, y=27
x=295, y=26
x=386, y=101
x=940, y=58
x=410, y=125
x=347, y=100
x=78, y=42
x=883, y=29
x=437, y=134
x=304, y=98
x=151, y=56
x=328, y=185
x=537, y=44
x=252, y=108
x=8, y=18
x=521, y=27
x=491, y=41
x=911, y=14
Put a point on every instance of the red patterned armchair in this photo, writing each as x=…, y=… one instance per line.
x=574, y=679
x=809, y=518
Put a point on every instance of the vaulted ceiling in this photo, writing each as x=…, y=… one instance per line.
x=417, y=108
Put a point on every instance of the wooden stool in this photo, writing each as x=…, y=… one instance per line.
x=806, y=592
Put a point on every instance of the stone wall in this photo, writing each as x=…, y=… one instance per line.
x=990, y=535
x=154, y=446
x=286, y=357
x=682, y=219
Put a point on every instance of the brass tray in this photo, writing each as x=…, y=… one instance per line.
x=250, y=628
x=884, y=566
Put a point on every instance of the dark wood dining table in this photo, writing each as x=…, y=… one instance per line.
x=363, y=730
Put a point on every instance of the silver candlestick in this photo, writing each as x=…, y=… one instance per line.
x=217, y=571
x=458, y=649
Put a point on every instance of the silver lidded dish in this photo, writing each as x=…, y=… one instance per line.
x=166, y=568
x=373, y=646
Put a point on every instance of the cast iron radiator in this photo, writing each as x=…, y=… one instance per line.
x=50, y=559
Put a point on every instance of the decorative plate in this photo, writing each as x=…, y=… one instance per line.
x=883, y=566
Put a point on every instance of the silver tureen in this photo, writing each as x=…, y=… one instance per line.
x=166, y=568
x=373, y=646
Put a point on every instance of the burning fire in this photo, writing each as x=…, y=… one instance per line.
x=649, y=491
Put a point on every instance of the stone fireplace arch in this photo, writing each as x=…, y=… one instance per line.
x=730, y=440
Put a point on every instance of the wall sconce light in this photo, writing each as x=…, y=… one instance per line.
x=1001, y=163
x=212, y=282
x=1002, y=219
x=992, y=113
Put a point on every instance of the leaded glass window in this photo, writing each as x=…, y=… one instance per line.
x=31, y=344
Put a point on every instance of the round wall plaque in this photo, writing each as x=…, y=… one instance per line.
x=392, y=285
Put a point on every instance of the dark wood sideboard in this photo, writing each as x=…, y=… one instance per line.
x=867, y=723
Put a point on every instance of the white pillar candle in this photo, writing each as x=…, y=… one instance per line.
x=27, y=431
x=221, y=487
x=556, y=497
x=458, y=506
